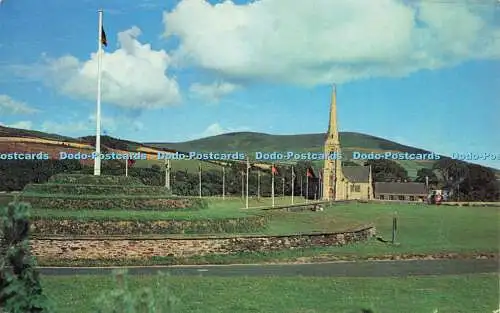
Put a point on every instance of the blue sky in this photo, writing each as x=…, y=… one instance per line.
x=179, y=70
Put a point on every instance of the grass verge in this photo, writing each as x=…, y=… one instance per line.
x=457, y=294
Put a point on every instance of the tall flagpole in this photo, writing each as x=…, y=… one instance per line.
x=223, y=182
x=126, y=168
x=199, y=179
x=272, y=183
x=248, y=169
x=97, y=160
x=283, y=186
x=242, y=184
x=307, y=186
x=258, y=184
x=167, y=173
x=293, y=185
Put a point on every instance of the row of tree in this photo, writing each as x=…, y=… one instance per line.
x=465, y=181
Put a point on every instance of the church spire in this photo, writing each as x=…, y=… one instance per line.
x=333, y=136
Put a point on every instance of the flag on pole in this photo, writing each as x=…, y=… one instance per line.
x=100, y=41
x=293, y=183
x=130, y=162
x=308, y=173
x=274, y=170
x=104, y=40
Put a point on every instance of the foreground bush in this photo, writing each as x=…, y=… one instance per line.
x=154, y=299
x=20, y=288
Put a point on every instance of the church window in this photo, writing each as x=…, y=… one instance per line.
x=401, y=198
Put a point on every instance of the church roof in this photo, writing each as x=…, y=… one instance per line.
x=400, y=188
x=357, y=174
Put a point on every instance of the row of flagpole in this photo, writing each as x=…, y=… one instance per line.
x=273, y=172
x=102, y=41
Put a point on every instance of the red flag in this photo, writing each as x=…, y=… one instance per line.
x=309, y=174
x=131, y=162
x=274, y=170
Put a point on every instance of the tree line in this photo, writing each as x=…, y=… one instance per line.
x=469, y=182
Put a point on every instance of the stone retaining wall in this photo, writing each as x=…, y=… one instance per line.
x=103, y=228
x=93, y=249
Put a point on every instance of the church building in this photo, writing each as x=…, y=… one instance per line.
x=343, y=182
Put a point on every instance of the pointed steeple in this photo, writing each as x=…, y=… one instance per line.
x=332, y=135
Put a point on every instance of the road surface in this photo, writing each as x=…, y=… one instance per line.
x=338, y=269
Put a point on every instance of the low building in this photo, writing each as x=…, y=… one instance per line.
x=400, y=191
x=357, y=182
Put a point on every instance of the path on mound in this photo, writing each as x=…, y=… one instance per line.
x=337, y=269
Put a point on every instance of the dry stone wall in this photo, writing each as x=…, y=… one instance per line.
x=98, y=249
x=73, y=227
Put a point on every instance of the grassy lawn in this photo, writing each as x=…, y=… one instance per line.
x=443, y=294
x=422, y=230
x=5, y=198
x=228, y=208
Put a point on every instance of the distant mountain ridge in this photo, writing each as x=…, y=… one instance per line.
x=249, y=142
x=253, y=141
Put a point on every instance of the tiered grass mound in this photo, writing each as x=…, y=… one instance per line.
x=87, y=192
x=86, y=205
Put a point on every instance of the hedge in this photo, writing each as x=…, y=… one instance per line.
x=74, y=227
x=69, y=189
x=114, y=203
x=85, y=179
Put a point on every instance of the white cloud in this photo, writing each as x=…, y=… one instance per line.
x=324, y=41
x=133, y=76
x=216, y=129
x=212, y=92
x=19, y=125
x=9, y=106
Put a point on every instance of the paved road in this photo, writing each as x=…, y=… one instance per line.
x=346, y=269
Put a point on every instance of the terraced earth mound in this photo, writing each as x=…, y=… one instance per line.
x=89, y=192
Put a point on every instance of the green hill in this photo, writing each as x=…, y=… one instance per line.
x=247, y=142
x=252, y=142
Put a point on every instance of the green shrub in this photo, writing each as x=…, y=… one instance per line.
x=155, y=299
x=20, y=288
x=86, y=179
